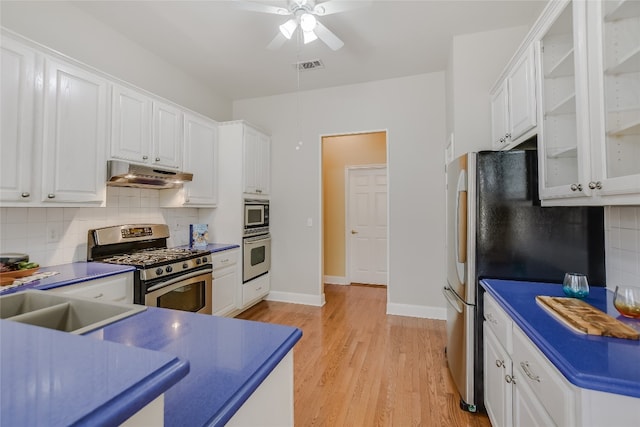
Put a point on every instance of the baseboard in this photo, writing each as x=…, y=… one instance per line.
x=295, y=298
x=335, y=280
x=409, y=310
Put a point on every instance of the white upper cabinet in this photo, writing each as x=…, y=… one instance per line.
x=145, y=130
x=167, y=135
x=257, y=160
x=130, y=125
x=74, y=134
x=17, y=121
x=589, y=135
x=200, y=159
x=513, y=103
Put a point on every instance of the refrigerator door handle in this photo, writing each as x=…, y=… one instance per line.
x=451, y=299
x=461, y=227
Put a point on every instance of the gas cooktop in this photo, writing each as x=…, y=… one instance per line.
x=155, y=257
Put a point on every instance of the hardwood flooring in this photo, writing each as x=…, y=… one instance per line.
x=357, y=366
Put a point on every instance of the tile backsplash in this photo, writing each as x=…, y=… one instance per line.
x=54, y=236
x=622, y=237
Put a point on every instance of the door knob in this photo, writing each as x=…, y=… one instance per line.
x=354, y=232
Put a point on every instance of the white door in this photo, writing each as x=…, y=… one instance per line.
x=367, y=225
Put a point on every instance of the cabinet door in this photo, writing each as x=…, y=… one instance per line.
x=131, y=125
x=614, y=47
x=225, y=289
x=200, y=159
x=17, y=121
x=499, y=118
x=497, y=380
x=167, y=136
x=263, y=164
x=522, y=96
x=527, y=409
x=75, y=113
x=250, y=154
x=563, y=136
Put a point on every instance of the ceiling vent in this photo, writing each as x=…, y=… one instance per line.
x=309, y=65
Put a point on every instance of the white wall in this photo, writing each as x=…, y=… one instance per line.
x=412, y=110
x=67, y=29
x=475, y=63
x=622, y=236
x=53, y=236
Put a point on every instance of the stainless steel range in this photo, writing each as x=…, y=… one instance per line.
x=176, y=278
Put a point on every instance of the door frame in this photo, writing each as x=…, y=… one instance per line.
x=347, y=225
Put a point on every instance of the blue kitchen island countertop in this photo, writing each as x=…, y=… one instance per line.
x=216, y=247
x=53, y=378
x=593, y=362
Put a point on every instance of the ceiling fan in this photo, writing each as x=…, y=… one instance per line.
x=304, y=14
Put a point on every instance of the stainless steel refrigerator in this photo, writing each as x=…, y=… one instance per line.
x=496, y=228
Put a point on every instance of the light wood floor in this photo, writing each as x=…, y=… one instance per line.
x=356, y=366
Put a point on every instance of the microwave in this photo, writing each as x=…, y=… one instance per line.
x=256, y=216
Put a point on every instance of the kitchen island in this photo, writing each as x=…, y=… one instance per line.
x=574, y=378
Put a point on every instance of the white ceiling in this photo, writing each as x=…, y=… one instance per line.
x=224, y=47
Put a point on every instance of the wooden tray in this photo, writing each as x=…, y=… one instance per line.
x=584, y=318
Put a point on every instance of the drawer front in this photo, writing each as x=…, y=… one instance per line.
x=255, y=289
x=499, y=322
x=117, y=288
x=555, y=393
x=224, y=258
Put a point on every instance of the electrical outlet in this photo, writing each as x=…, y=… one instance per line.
x=309, y=222
x=54, y=230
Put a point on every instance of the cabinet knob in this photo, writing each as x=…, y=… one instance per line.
x=502, y=140
x=145, y=157
x=576, y=187
x=499, y=363
x=508, y=136
x=595, y=185
x=157, y=159
x=51, y=196
x=25, y=194
x=510, y=379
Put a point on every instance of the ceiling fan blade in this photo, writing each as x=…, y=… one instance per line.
x=260, y=7
x=277, y=41
x=328, y=37
x=336, y=6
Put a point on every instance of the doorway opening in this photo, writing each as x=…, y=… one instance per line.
x=354, y=208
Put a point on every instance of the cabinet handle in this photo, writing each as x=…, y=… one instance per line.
x=595, y=185
x=222, y=261
x=258, y=190
x=576, y=187
x=145, y=157
x=490, y=319
x=525, y=368
x=499, y=363
x=510, y=379
x=99, y=295
x=25, y=194
x=51, y=196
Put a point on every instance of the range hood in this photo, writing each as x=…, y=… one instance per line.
x=124, y=174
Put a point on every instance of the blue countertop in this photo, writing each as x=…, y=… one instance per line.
x=52, y=378
x=593, y=362
x=229, y=358
x=71, y=273
x=216, y=247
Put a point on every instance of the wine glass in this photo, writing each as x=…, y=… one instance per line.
x=627, y=301
x=575, y=285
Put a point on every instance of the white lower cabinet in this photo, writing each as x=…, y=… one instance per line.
x=523, y=388
x=226, y=281
x=117, y=288
x=255, y=290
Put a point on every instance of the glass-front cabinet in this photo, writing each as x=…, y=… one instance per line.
x=589, y=106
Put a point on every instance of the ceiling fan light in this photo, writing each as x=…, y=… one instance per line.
x=307, y=22
x=309, y=36
x=288, y=28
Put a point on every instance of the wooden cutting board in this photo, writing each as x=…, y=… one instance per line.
x=585, y=318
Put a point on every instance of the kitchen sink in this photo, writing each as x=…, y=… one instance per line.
x=63, y=313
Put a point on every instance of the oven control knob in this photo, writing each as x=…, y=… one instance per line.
x=185, y=265
x=159, y=271
x=198, y=261
x=169, y=269
x=204, y=259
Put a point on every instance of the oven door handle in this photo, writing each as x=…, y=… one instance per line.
x=180, y=279
x=256, y=239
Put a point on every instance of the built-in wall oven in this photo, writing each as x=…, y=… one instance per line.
x=175, y=278
x=256, y=248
